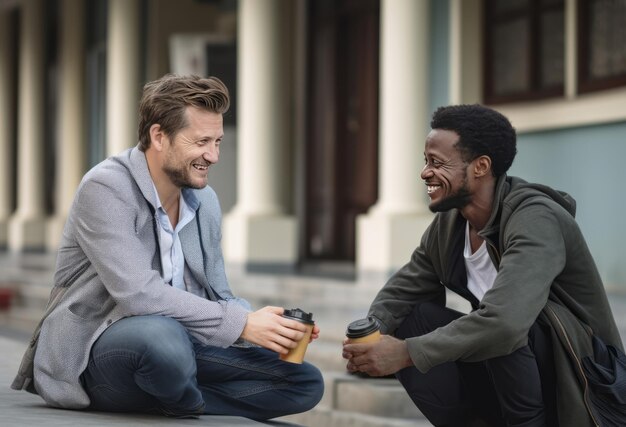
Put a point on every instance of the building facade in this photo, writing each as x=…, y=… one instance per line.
x=331, y=104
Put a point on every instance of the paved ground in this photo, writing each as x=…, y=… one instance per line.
x=25, y=409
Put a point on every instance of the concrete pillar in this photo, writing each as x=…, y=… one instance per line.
x=27, y=225
x=7, y=124
x=123, y=61
x=260, y=229
x=388, y=233
x=465, y=52
x=71, y=138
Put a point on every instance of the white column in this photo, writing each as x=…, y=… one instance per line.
x=260, y=228
x=123, y=90
x=465, y=51
x=388, y=233
x=455, y=55
x=27, y=225
x=71, y=138
x=7, y=124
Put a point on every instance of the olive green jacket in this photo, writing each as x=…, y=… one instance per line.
x=540, y=255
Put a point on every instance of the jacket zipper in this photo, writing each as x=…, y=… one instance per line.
x=578, y=364
x=569, y=344
x=495, y=253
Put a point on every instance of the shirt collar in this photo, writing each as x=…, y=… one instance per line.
x=188, y=197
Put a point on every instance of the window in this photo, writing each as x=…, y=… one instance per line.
x=524, y=50
x=602, y=44
x=552, y=55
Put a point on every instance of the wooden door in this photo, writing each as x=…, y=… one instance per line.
x=342, y=136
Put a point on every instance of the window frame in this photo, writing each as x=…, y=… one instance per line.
x=533, y=16
x=585, y=82
x=574, y=109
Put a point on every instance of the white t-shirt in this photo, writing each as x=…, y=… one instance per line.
x=481, y=273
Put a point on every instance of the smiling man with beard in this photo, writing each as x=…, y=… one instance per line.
x=141, y=317
x=514, y=251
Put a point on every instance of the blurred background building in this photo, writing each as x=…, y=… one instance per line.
x=331, y=105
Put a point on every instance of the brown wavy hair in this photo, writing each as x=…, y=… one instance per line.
x=165, y=101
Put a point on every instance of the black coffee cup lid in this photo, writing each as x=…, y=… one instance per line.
x=362, y=327
x=299, y=315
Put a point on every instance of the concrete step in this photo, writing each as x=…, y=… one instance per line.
x=326, y=355
x=21, y=268
x=382, y=397
x=334, y=303
x=318, y=291
x=322, y=416
x=30, y=277
x=33, y=295
x=28, y=305
x=24, y=319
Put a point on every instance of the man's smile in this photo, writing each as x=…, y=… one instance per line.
x=200, y=167
x=431, y=188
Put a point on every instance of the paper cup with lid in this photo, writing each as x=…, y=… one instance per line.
x=296, y=355
x=363, y=331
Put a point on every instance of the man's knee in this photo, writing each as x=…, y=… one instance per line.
x=425, y=317
x=311, y=386
x=160, y=339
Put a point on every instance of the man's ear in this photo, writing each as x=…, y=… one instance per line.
x=156, y=137
x=482, y=166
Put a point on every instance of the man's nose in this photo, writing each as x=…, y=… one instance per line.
x=426, y=172
x=212, y=154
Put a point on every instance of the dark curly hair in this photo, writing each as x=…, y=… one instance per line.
x=165, y=101
x=482, y=131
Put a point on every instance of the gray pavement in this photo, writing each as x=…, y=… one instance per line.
x=25, y=409
x=19, y=408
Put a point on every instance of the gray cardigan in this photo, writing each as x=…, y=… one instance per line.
x=108, y=268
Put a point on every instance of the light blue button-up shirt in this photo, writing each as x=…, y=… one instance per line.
x=172, y=258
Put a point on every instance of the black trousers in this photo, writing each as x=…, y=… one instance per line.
x=513, y=390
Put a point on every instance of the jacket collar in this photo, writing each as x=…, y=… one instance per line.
x=141, y=174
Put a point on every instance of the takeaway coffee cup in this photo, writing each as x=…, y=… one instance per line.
x=296, y=355
x=363, y=331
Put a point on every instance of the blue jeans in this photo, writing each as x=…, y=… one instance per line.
x=152, y=364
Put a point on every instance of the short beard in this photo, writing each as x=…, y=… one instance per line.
x=180, y=178
x=456, y=201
